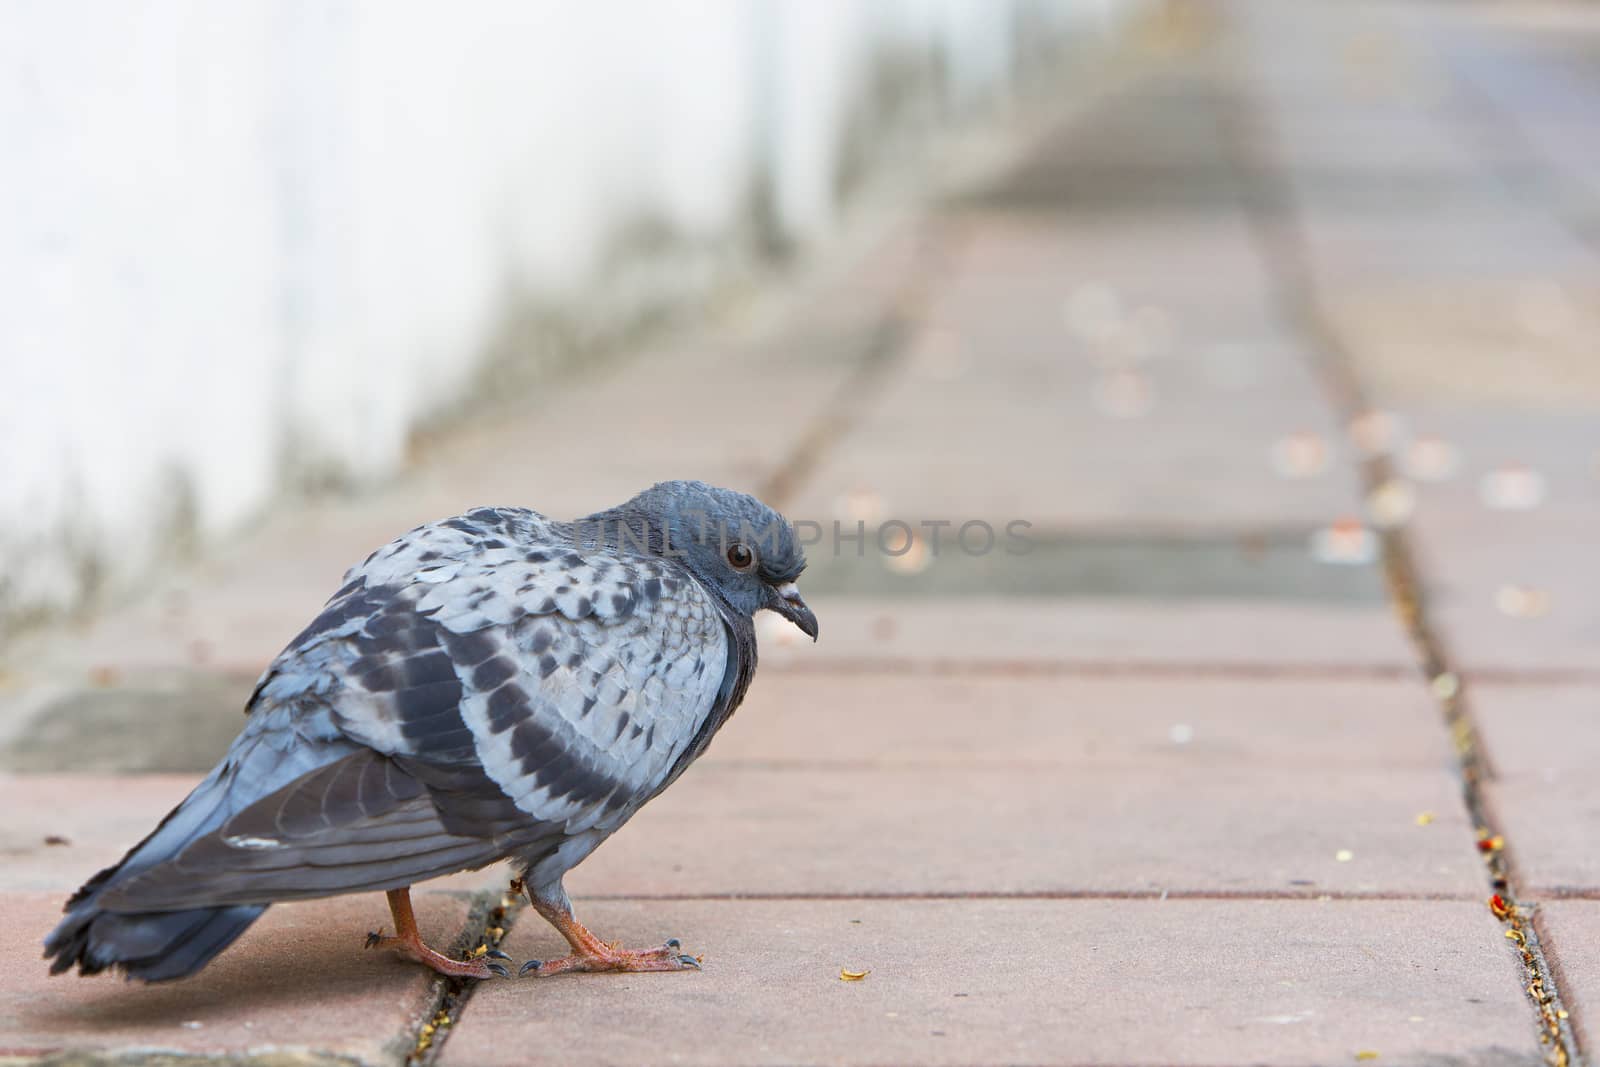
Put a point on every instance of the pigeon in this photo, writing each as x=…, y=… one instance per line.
x=498, y=685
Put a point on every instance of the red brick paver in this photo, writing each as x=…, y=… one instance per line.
x=821, y=831
x=1101, y=634
x=297, y=980
x=1014, y=982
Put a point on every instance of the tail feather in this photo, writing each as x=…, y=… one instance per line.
x=151, y=946
x=206, y=937
x=101, y=931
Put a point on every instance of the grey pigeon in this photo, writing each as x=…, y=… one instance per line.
x=497, y=685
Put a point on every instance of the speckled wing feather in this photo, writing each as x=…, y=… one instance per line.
x=506, y=691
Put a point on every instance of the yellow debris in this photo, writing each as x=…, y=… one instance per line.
x=851, y=976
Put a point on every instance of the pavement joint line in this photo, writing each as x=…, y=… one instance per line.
x=489, y=920
x=1274, y=221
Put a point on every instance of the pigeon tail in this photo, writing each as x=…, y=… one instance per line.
x=154, y=945
x=151, y=946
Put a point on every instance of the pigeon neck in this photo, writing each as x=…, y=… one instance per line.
x=624, y=531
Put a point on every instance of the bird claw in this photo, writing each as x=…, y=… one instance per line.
x=499, y=970
x=674, y=944
x=665, y=958
x=374, y=939
x=496, y=954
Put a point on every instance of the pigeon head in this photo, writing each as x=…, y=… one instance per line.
x=731, y=541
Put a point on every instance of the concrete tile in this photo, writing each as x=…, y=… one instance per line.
x=1537, y=731
x=1439, y=343
x=1541, y=746
x=731, y=394
x=1476, y=242
x=1471, y=561
x=145, y=721
x=1102, y=564
x=1014, y=396
x=1551, y=433
x=873, y=718
x=1414, y=148
x=1551, y=823
x=1020, y=982
x=1472, y=556
x=733, y=829
x=1211, y=474
x=1213, y=634
x=97, y=818
x=297, y=980
x=1569, y=932
x=1155, y=147
x=1023, y=267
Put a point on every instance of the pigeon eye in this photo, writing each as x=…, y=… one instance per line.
x=739, y=557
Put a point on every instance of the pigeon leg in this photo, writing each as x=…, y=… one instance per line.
x=589, y=953
x=408, y=942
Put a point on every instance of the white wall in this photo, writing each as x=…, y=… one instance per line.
x=239, y=238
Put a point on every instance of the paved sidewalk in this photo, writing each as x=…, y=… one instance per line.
x=1189, y=782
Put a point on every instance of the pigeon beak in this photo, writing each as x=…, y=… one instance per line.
x=787, y=602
